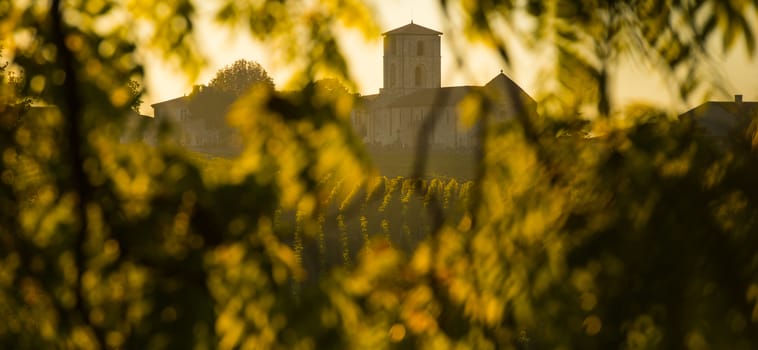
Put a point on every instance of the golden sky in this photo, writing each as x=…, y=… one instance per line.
x=634, y=82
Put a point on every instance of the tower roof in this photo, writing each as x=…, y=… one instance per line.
x=412, y=29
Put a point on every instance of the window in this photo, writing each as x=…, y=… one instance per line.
x=392, y=75
x=419, y=76
x=420, y=48
x=183, y=114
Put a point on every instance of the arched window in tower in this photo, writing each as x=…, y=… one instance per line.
x=393, y=73
x=420, y=48
x=419, y=76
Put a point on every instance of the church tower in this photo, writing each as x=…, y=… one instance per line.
x=411, y=59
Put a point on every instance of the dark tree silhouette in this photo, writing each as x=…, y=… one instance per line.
x=135, y=91
x=211, y=102
x=331, y=86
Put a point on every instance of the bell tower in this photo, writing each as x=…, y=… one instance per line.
x=411, y=59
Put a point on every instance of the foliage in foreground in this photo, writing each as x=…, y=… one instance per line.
x=642, y=236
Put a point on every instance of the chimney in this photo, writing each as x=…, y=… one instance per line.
x=738, y=98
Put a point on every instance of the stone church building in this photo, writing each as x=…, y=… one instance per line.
x=392, y=118
x=412, y=92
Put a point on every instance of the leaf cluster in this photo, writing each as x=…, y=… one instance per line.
x=575, y=234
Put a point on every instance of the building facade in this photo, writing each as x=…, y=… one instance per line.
x=190, y=130
x=412, y=93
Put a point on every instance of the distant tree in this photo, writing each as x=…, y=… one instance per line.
x=211, y=102
x=236, y=78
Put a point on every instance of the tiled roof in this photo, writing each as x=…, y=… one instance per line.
x=501, y=85
x=720, y=117
x=446, y=96
x=413, y=29
x=375, y=101
x=498, y=89
x=173, y=100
